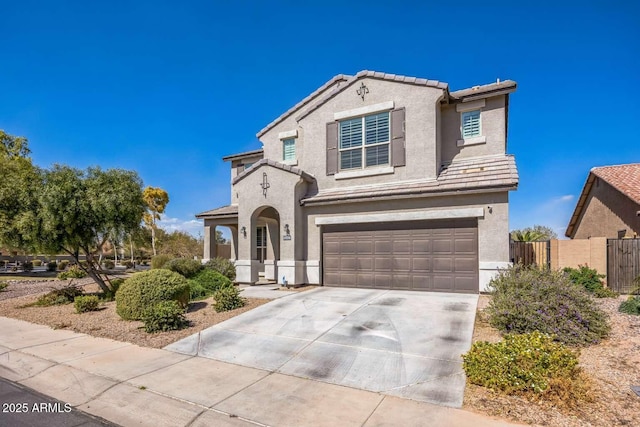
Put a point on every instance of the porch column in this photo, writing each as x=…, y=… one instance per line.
x=234, y=242
x=210, y=250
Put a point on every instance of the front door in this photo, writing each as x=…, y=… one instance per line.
x=261, y=244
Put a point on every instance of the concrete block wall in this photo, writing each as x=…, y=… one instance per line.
x=572, y=253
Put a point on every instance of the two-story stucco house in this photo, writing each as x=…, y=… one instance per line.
x=376, y=181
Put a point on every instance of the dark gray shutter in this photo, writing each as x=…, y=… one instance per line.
x=240, y=169
x=332, y=148
x=397, y=138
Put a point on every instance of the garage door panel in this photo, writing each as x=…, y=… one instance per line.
x=442, y=265
x=422, y=264
x=425, y=256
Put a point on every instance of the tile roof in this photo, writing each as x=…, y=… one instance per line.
x=624, y=178
x=480, y=174
x=288, y=168
x=374, y=75
x=336, y=79
x=241, y=155
x=498, y=88
x=224, y=211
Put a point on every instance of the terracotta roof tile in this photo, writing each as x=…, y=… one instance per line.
x=624, y=178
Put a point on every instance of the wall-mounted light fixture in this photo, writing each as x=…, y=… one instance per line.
x=286, y=229
x=243, y=230
x=490, y=209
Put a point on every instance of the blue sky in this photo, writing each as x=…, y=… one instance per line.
x=168, y=88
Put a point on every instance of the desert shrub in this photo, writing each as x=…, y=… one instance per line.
x=62, y=265
x=520, y=363
x=197, y=291
x=526, y=300
x=52, y=266
x=73, y=272
x=60, y=296
x=3, y=285
x=128, y=264
x=589, y=279
x=108, y=264
x=228, y=298
x=36, y=262
x=222, y=266
x=27, y=266
x=86, y=303
x=212, y=280
x=631, y=306
x=164, y=316
x=159, y=261
x=185, y=266
x=143, y=290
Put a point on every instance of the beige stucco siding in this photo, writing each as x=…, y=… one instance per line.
x=421, y=104
x=492, y=117
x=606, y=212
x=493, y=227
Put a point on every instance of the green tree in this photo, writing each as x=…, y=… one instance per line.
x=18, y=182
x=533, y=234
x=179, y=244
x=13, y=146
x=220, y=238
x=78, y=211
x=156, y=200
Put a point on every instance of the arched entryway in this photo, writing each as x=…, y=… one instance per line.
x=265, y=242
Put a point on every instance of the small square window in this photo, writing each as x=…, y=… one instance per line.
x=470, y=126
x=289, y=149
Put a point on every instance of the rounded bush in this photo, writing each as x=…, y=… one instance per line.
x=197, y=291
x=520, y=363
x=185, y=266
x=228, y=298
x=145, y=289
x=62, y=265
x=37, y=262
x=73, y=272
x=27, y=266
x=527, y=299
x=212, y=280
x=164, y=316
x=222, y=266
x=52, y=266
x=159, y=261
x=86, y=303
x=108, y=264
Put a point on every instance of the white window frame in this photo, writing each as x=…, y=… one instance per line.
x=465, y=109
x=363, y=146
x=284, y=150
x=286, y=136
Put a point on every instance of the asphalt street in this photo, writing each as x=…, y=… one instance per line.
x=22, y=406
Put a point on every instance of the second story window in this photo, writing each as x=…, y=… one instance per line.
x=289, y=149
x=470, y=124
x=364, y=141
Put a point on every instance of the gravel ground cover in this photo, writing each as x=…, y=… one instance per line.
x=613, y=366
x=105, y=323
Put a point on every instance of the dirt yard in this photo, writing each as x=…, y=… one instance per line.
x=613, y=365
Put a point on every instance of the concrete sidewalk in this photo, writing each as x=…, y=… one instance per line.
x=131, y=385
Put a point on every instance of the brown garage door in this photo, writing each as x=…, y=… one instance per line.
x=421, y=256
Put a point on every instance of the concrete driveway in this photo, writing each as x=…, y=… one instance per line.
x=399, y=343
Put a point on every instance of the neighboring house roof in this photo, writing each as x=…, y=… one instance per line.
x=472, y=175
x=229, y=211
x=243, y=155
x=624, y=178
x=276, y=165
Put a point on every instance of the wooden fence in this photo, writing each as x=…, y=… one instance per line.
x=531, y=253
x=623, y=264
